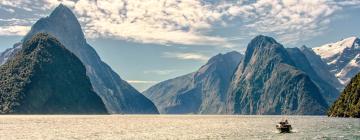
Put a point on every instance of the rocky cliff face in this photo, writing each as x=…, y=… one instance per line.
x=321, y=68
x=329, y=92
x=201, y=92
x=268, y=82
x=43, y=77
x=117, y=94
x=348, y=104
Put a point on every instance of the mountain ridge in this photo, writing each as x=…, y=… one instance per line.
x=200, y=92
x=342, y=57
x=118, y=95
x=267, y=82
x=45, y=78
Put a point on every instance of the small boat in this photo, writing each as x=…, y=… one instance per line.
x=284, y=127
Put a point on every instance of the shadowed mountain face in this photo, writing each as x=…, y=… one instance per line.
x=329, y=92
x=201, y=92
x=268, y=82
x=321, y=68
x=43, y=77
x=348, y=104
x=117, y=94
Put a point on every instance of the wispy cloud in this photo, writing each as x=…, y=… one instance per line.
x=159, y=72
x=186, y=56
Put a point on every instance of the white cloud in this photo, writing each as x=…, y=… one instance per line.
x=141, y=82
x=14, y=30
x=190, y=22
x=150, y=21
x=159, y=72
x=291, y=20
x=186, y=56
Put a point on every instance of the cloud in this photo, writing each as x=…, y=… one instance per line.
x=151, y=21
x=14, y=30
x=159, y=72
x=291, y=20
x=193, y=22
x=186, y=56
x=141, y=82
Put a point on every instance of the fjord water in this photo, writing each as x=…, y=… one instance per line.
x=174, y=127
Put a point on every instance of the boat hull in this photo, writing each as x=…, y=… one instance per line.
x=284, y=130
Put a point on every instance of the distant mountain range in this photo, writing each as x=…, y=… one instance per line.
x=269, y=79
x=54, y=57
x=43, y=77
x=200, y=92
x=117, y=94
x=342, y=57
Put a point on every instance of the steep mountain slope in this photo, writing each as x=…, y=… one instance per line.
x=301, y=62
x=268, y=82
x=348, y=104
x=321, y=68
x=9, y=53
x=343, y=58
x=203, y=91
x=117, y=94
x=45, y=78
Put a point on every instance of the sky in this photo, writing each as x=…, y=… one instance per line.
x=149, y=41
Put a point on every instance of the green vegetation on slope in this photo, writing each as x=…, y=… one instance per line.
x=45, y=78
x=348, y=104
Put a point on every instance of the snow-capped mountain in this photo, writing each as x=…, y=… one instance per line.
x=342, y=57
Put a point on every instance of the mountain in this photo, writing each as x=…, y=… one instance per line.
x=268, y=82
x=45, y=78
x=321, y=68
x=329, y=92
x=348, y=104
x=201, y=92
x=117, y=94
x=343, y=58
x=9, y=53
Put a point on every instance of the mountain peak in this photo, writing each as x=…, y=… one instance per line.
x=231, y=57
x=341, y=57
x=40, y=38
x=62, y=24
x=347, y=42
x=329, y=50
x=45, y=66
x=263, y=39
x=303, y=47
x=263, y=46
x=260, y=41
x=61, y=10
